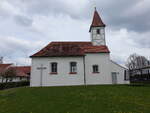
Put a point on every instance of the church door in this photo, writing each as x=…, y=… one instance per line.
x=114, y=77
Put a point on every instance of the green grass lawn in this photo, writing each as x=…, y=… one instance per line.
x=76, y=99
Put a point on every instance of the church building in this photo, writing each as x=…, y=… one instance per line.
x=77, y=63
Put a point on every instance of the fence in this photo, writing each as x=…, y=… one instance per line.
x=139, y=75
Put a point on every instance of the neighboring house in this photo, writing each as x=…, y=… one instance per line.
x=140, y=74
x=3, y=68
x=22, y=72
x=77, y=63
x=145, y=70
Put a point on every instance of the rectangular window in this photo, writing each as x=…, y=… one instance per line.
x=53, y=67
x=98, y=31
x=73, y=67
x=95, y=69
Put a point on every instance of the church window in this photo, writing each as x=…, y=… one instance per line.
x=95, y=69
x=98, y=31
x=73, y=67
x=54, y=67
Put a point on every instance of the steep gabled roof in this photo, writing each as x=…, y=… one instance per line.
x=60, y=49
x=97, y=21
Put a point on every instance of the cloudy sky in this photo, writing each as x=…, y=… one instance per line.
x=28, y=25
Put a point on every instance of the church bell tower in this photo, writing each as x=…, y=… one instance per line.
x=97, y=30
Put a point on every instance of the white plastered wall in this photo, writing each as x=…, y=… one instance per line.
x=63, y=77
x=102, y=60
x=120, y=70
x=106, y=67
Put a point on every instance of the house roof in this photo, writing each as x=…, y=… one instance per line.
x=97, y=21
x=22, y=71
x=146, y=67
x=3, y=67
x=118, y=64
x=70, y=49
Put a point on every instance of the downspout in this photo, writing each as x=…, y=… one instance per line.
x=84, y=70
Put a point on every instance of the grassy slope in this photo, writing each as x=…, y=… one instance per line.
x=77, y=99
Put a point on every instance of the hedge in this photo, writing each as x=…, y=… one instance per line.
x=13, y=84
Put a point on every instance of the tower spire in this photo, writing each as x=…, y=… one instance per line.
x=97, y=30
x=97, y=21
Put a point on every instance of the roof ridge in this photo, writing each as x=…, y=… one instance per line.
x=7, y=64
x=71, y=41
x=70, y=49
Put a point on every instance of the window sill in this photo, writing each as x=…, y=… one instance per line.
x=73, y=73
x=53, y=73
x=96, y=72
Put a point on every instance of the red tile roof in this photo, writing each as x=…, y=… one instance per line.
x=3, y=67
x=97, y=21
x=22, y=71
x=96, y=49
x=70, y=49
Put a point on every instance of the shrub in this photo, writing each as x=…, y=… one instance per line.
x=13, y=84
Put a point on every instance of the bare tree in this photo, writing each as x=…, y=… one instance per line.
x=2, y=76
x=9, y=74
x=136, y=62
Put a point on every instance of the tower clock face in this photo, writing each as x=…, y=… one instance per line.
x=98, y=36
x=100, y=42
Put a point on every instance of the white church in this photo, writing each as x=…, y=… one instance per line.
x=77, y=63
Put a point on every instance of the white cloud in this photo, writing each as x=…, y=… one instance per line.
x=122, y=43
x=139, y=8
x=61, y=27
x=16, y=50
x=28, y=25
x=19, y=61
x=7, y=8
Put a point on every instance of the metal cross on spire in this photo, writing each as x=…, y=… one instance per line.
x=94, y=4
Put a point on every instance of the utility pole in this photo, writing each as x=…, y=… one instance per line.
x=1, y=60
